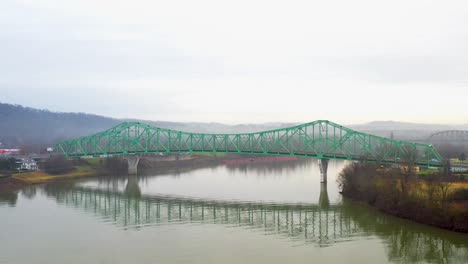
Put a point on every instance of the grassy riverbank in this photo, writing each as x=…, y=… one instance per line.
x=432, y=198
x=63, y=170
x=41, y=176
x=100, y=167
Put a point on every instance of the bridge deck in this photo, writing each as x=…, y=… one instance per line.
x=319, y=139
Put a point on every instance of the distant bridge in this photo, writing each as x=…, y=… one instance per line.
x=449, y=136
x=321, y=139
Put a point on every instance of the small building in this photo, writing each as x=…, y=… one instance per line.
x=26, y=164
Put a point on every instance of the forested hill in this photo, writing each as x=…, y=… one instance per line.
x=21, y=126
x=25, y=127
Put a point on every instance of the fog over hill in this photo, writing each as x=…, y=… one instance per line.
x=21, y=126
x=24, y=126
x=404, y=130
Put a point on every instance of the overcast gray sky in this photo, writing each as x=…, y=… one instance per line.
x=238, y=61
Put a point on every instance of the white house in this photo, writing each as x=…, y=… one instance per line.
x=26, y=164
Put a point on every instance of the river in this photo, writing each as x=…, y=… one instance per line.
x=238, y=213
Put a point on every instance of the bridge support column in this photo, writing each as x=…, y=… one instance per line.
x=323, y=165
x=133, y=164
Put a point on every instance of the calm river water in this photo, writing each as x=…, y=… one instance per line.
x=247, y=213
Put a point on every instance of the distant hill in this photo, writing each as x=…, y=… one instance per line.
x=394, y=125
x=404, y=130
x=24, y=126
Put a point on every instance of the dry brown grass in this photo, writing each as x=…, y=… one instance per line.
x=40, y=176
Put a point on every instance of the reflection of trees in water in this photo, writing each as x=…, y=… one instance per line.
x=176, y=169
x=113, y=181
x=409, y=242
x=269, y=167
x=260, y=168
x=29, y=192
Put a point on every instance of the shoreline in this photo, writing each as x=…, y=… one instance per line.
x=397, y=214
x=415, y=211
x=18, y=181
x=434, y=200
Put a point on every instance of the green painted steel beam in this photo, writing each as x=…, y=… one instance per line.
x=319, y=139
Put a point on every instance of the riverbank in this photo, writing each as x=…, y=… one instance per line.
x=111, y=166
x=20, y=180
x=433, y=200
x=43, y=177
x=87, y=168
x=10, y=185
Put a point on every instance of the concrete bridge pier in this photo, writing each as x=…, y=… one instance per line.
x=133, y=161
x=323, y=165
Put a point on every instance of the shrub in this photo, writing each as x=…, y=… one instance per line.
x=7, y=164
x=357, y=180
x=57, y=165
x=460, y=195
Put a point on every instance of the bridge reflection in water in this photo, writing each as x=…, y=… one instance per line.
x=322, y=223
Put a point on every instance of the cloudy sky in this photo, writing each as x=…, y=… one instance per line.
x=238, y=61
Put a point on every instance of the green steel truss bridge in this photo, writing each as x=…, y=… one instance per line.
x=321, y=139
